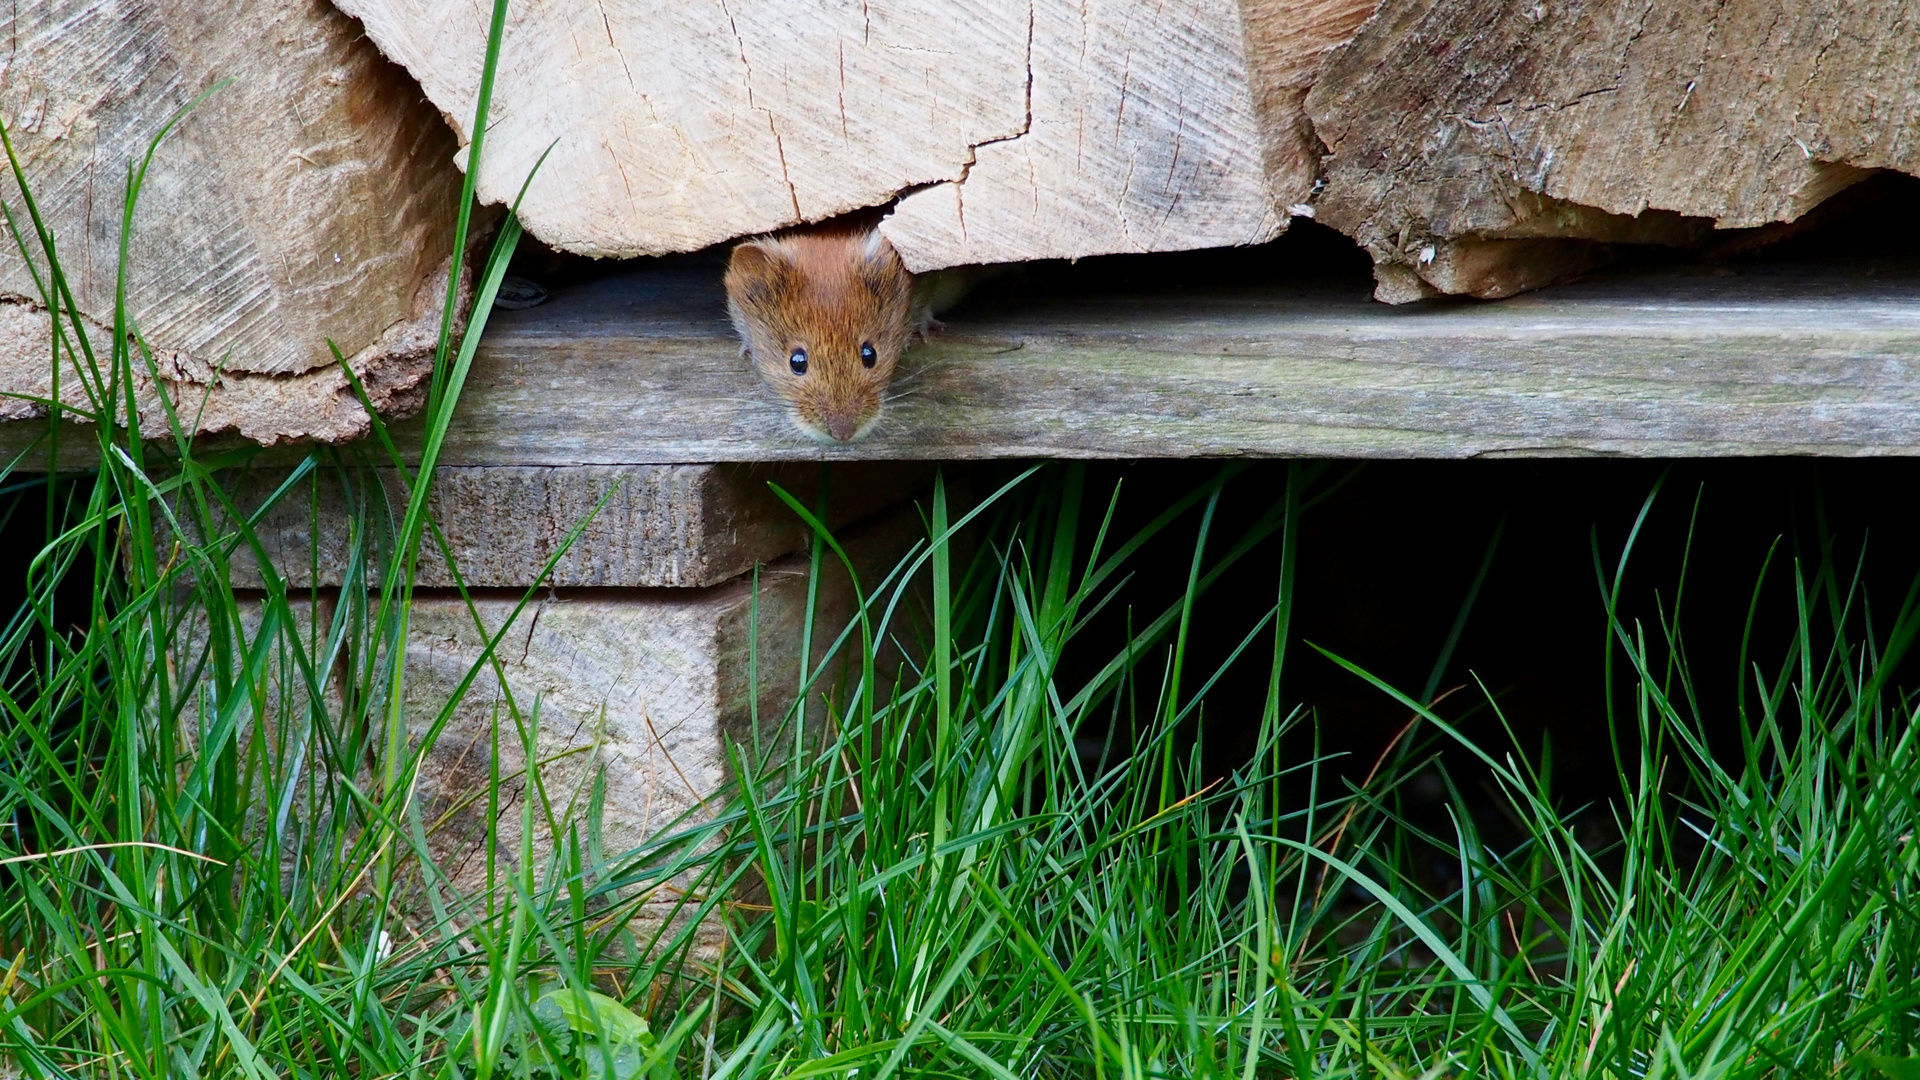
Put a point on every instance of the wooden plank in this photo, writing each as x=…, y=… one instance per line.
x=649, y=685
x=658, y=526
x=642, y=368
x=641, y=689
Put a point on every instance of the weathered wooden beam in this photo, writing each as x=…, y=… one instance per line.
x=655, y=526
x=642, y=368
x=641, y=691
x=649, y=685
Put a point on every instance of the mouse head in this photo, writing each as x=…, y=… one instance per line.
x=825, y=318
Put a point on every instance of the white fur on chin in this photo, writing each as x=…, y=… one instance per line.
x=822, y=435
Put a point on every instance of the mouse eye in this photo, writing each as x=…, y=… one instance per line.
x=798, y=361
x=867, y=355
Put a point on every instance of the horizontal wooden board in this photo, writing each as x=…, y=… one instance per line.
x=651, y=525
x=642, y=368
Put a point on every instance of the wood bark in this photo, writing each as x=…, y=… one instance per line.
x=1463, y=134
x=1288, y=43
x=311, y=198
x=1016, y=129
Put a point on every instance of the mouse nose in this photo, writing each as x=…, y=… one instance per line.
x=840, y=425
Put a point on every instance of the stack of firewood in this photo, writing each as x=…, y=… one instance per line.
x=1478, y=147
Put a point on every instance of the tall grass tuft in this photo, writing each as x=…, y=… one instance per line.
x=964, y=863
x=955, y=886
x=206, y=797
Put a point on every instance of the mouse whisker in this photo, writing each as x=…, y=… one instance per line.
x=923, y=367
x=911, y=378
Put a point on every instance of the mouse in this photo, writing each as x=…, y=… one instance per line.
x=824, y=313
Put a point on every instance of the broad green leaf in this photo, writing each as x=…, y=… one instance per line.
x=1895, y=1068
x=596, y=1015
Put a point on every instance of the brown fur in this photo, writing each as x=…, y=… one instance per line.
x=828, y=291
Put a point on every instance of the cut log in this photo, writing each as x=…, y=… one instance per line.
x=657, y=525
x=1018, y=129
x=1455, y=123
x=1288, y=43
x=310, y=199
x=676, y=126
x=1144, y=135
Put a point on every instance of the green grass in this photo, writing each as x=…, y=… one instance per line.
x=215, y=863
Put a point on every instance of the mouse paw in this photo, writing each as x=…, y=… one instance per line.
x=928, y=328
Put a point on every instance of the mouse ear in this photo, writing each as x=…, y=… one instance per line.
x=880, y=266
x=875, y=251
x=759, y=271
